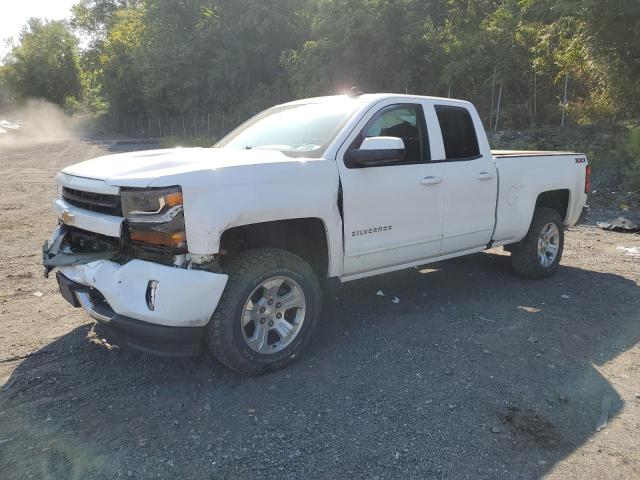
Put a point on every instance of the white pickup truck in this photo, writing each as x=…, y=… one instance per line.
x=229, y=246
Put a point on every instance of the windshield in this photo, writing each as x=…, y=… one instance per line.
x=298, y=130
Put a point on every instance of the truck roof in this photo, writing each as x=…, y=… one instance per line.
x=370, y=98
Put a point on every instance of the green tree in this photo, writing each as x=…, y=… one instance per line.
x=160, y=56
x=239, y=56
x=44, y=64
x=97, y=17
x=375, y=45
x=4, y=90
x=121, y=63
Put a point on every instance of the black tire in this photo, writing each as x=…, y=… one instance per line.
x=247, y=271
x=524, y=254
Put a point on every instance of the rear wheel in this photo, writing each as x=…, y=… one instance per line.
x=267, y=313
x=538, y=254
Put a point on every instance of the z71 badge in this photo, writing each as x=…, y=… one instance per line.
x=369, y=231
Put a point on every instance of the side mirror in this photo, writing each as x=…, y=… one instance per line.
x=376, y=152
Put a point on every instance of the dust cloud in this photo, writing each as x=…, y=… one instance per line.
x=36, y=121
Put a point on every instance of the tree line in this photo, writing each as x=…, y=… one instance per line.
x=161, y=58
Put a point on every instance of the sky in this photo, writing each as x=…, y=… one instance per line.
x=15, y=13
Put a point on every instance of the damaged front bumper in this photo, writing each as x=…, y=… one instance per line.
x=143, y=336
x=56, y=253
x=155, y=308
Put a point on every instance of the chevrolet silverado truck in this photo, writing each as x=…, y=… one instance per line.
x=230, y=246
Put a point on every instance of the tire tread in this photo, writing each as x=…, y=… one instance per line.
x=243, y=268
x=524, y=257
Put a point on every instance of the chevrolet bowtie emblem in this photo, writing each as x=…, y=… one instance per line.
x=68, y=217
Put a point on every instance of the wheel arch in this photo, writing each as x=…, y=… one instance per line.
x=555, y=199
x=305, y=237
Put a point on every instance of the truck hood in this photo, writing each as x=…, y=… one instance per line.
x=142, y=169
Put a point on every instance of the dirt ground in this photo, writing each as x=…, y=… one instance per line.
x=474, y=374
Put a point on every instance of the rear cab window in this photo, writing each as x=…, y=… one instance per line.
x=458, y=133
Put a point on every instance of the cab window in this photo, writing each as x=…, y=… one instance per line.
x=458, y=133
x=405, y=122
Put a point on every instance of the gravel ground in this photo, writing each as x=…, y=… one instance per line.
x=474, y=374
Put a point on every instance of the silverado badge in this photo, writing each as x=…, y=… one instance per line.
x=369, y=231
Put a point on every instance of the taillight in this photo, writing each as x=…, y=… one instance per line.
x=587, y=179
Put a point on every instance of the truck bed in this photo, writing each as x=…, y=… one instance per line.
x=521, y=182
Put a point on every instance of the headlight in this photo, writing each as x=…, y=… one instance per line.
x=149, y=202
x=155, y=216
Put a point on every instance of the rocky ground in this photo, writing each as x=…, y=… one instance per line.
x=474, y=374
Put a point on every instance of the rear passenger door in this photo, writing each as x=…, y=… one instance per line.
x=468, y=175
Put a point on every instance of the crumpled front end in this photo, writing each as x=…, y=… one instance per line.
x=59, y=250
x=155, y=307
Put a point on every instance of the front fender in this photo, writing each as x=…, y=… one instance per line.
x=227, y=198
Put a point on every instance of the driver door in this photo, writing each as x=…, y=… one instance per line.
x=392, y=211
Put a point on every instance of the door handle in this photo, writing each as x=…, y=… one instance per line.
x=427, y=181
x=484, y=176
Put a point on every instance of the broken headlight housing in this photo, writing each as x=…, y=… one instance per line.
x=155, y=216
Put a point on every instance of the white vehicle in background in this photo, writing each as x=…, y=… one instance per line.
x=6, y=126
x=229, y=246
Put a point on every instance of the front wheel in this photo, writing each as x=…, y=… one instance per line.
x=538, y=254
x=267, y=313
